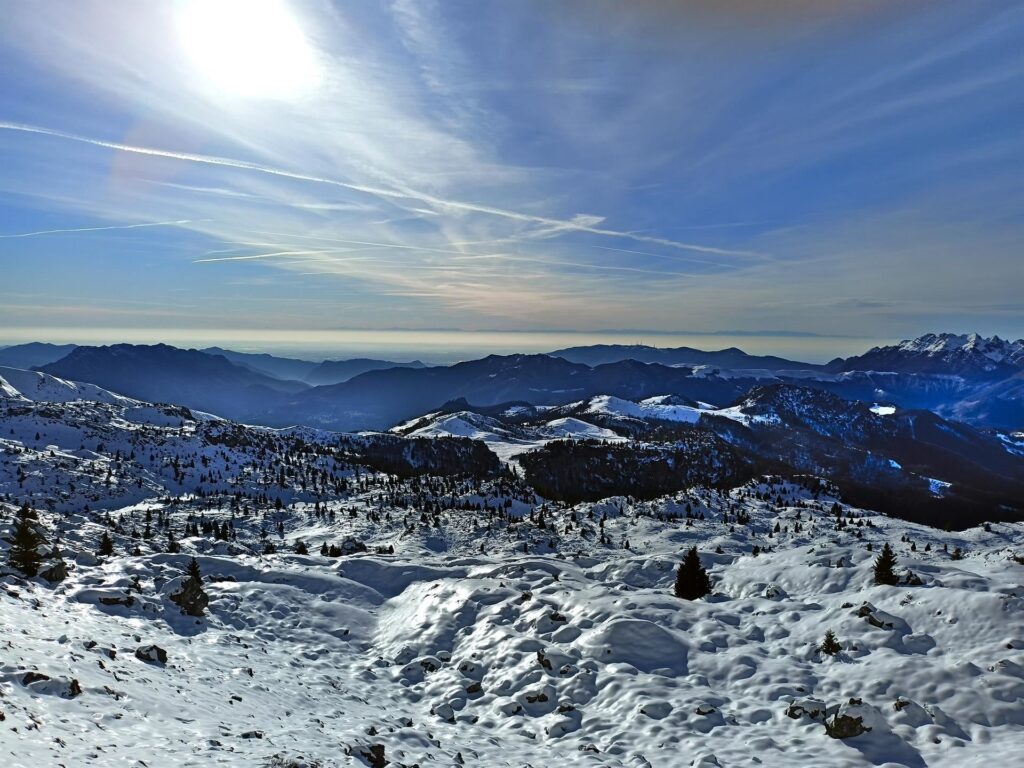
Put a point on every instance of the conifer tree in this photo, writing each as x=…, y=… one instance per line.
x=192, y=599
x=692, y=580
x=23, y=554
x=885, y=567
x=106, y=547
x=194, y=572
x=301, y=548
x=830, y=645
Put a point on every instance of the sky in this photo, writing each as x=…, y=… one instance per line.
x=795, y=175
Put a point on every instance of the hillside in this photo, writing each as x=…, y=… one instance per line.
x=164, y=374
x=423, y=597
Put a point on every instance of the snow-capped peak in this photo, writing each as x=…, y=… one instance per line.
x=944, y=353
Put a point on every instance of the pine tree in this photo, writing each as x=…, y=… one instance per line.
x=192, y=599
x=692, y=580
x=23, y=554
x=194, y=571
x=106, y=547
x=885, y=567
x=301, y=548
x=830, y=645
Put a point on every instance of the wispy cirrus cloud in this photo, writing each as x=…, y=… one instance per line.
x=72, y=230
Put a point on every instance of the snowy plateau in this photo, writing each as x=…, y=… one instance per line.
x=409, y=599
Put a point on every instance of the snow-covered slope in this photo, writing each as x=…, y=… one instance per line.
x=577, y=657
x=460, y=619
x=662, y=408
x=507, y=441
x=44, y=388
x=8, y=391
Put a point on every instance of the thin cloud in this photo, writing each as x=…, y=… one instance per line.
x=580, y=223
x=178, y=223
x=253, y=256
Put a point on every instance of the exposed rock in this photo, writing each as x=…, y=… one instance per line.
x=853, y=719
x=127, y=600
x=372, y=754
x=66, y=688
x=868, y=612
x=150, y=653
x=807, y=707
x=54, y=571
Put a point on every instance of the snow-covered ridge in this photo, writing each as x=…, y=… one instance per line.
x=44, y=388
x=661, y=409
x=951, y=348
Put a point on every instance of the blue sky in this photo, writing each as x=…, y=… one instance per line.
x=280, y=168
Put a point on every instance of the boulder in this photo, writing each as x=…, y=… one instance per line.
x=151, y=653
x=53, y=571
x=806, y=707
x=853, y=719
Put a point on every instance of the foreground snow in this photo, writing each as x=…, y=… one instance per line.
x=505, y=659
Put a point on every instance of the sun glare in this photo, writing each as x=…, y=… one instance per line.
x=248, y=48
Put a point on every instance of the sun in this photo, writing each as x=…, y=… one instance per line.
x=248, y=48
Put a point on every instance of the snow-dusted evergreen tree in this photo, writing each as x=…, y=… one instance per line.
x=23, y=554
x=885, y=567
x=692, y=581
x=194, y=572
x=830, y=645
x=106, y=547
x=192, y=599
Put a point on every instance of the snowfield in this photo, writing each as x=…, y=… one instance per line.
x=506, y=659
x=466, y=621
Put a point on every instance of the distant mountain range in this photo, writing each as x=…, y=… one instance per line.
x=732, y=358
x=337, y=371
x=314, y=374
x=908, y=463
x=962, y=377
x=942, y=354
x=929, y=429
x=32, y=354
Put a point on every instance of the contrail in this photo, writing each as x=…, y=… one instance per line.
x=574, y=225
x=101, y=229
x=260, y=256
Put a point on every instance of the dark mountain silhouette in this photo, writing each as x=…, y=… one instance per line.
x=270, y=365
x=337, y=371
x=35, y=353
x=165, y=374
x=599, y=354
